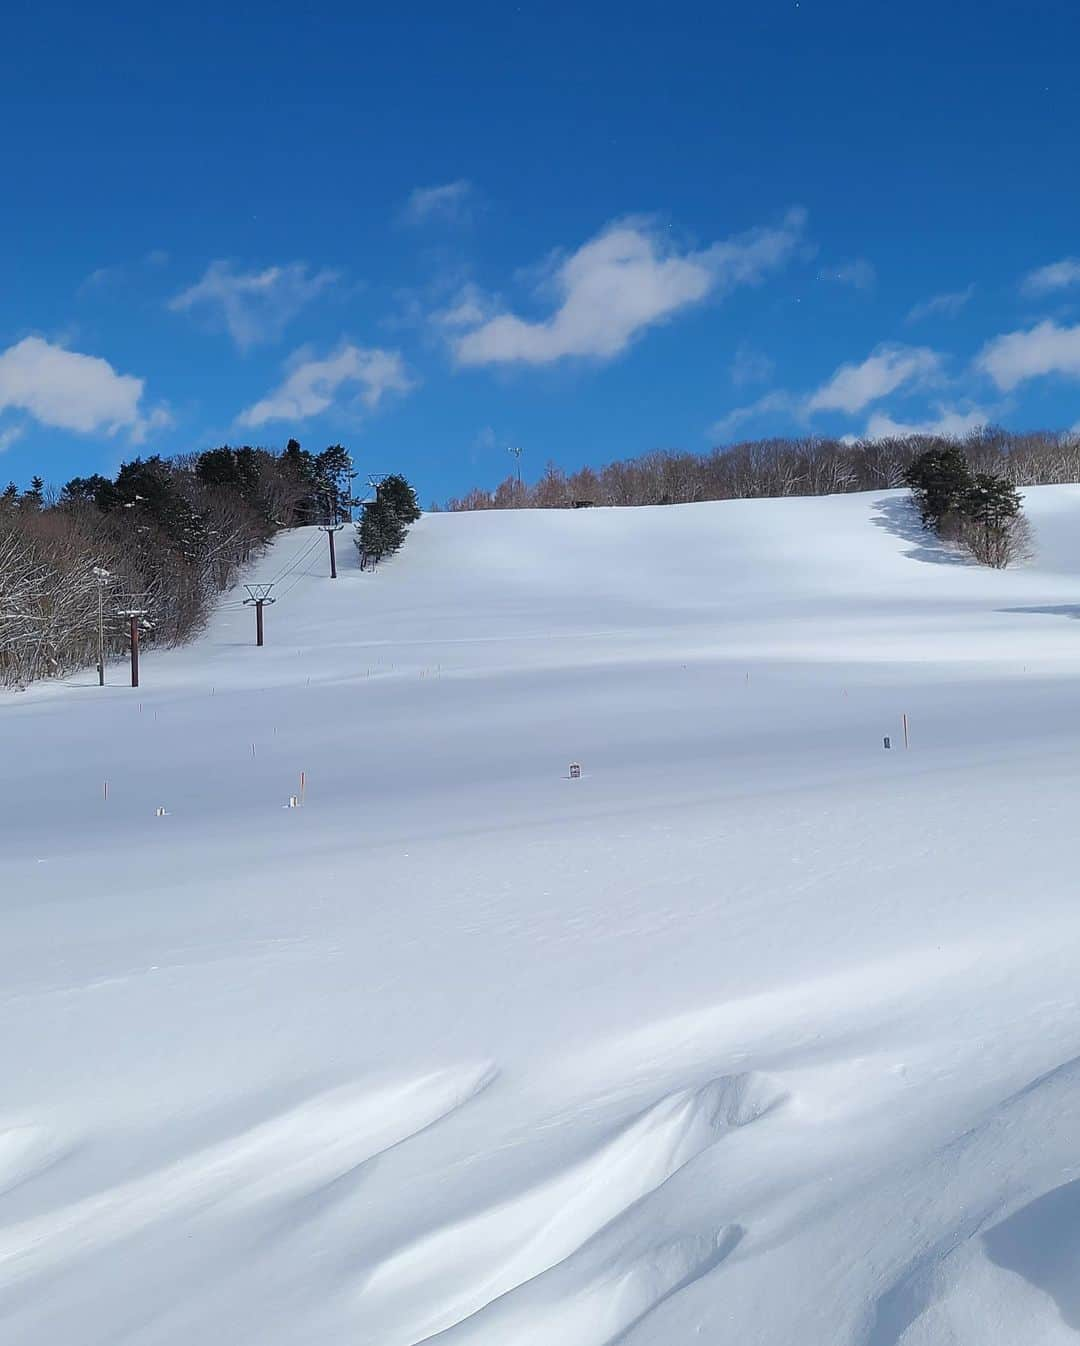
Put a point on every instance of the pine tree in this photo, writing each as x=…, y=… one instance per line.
x=299, y=467
x=379, y=533
x=333, y=482
x=991, y=510
x=940, y=480
x=401, y=498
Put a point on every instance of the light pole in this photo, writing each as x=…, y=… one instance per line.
x=517, y=456
x=103, y=577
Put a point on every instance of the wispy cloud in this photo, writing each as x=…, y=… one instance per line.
x=70, y=391
x=625, y=280
x=117, y=272
x=449, y=201
x=469, y=307
x=10, y=435
x=253, y=306
x=1015, y=357
x=750, y=366
x=854, y=386
x=946, y=305
x=859, y=273
x=777, y=403
x=850, y=389
x=945, y=421
x=1048, y=279
x=313, y=386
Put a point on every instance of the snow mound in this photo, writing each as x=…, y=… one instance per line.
x=457, y=1272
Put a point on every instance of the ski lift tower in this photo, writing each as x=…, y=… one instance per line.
x=330, y=529
x=133, y=612
x=258, y=596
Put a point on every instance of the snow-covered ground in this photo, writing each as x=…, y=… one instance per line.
x=756, y=1033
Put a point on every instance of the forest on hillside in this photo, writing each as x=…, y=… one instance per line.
x=163, y=535
x=782, y=467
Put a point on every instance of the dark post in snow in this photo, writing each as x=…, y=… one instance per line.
x=330, y=529
x=103, y=578
x=133, y=615
x=258, y=595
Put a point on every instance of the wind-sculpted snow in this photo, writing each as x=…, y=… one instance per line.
x=451, y=1275
x=757, y=1031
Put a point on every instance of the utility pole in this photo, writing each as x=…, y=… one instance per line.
x=133, y=615
x=258, y=595
x=330, y=529
x=517, y=455
x=103, y=577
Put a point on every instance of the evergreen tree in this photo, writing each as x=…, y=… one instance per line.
x=940, y=480
x=299, y=467
x=991, y=508
x=401, y=498
x=96, y=490
x=149, y=489
x=333, y=482
x=379, y=533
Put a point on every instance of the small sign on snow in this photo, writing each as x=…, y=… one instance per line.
x=575, y=770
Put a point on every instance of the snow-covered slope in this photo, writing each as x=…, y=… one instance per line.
x=755, y=1033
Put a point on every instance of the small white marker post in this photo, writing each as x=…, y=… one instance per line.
x=575, y=770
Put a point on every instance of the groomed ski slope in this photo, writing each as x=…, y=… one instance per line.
x=756, y=1033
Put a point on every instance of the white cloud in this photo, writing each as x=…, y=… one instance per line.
x=946, y=305
x=9, y=436
x=160, y=418
x=470, y=308
x=1014, y=357
x=750, y=366
x=254, y=306
x=446, y=201
x=858, y=273
x=854, y=387
x=312, y=386
x=947, y=421
x=69, y=391
x=774, y=403
x=1057, y=276
x=621, y=282
x=121, y=271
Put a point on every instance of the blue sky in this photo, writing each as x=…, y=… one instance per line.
x=430, y=231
